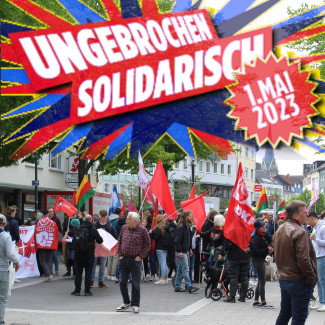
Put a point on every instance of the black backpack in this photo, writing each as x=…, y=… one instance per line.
x=81, y=239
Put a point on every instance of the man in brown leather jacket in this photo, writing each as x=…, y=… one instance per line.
x=296, y=262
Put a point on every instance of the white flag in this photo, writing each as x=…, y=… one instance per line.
x=142, y=176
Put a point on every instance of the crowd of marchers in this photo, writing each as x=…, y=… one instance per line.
x=173, y=250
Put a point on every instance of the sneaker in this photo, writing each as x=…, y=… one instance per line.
x=88, y=294
x=114, y=278
x=322, y=308
x=241, y=299
x=180, y=290
x=102, y=285
x=49, y=279
x=230, y=299
x=67, y=274
x=147, y=278
x=160, y=282
x=136, y=309
x=312, y=297
x=91, y=284
x=123, y=307
x=109, y=277
x=315, y=306
x=257, y=304
x=266, y=306
x=75, y=293
x=57, y=273
x=252, y=283
x=192, y=289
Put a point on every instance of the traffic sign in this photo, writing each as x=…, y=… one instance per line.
x=35, y=182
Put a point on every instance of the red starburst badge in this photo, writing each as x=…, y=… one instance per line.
x=272, y=101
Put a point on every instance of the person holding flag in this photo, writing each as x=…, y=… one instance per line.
x=237, y=230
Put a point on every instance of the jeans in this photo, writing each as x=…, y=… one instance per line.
x=102, y=264
x=321, y=279
x=80, y=265
x=55, y=259
x=182, y=272
x=130, y=265
x=162, y=257
x=4, y=285
x=191, y=260
x=258, y=263
x=295, y=296
x=111, y=265
x=238, y=268
x=153, y=264
x=45, y=257
x=252, y=269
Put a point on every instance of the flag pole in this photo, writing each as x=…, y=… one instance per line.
x=143, y=199
x=165, y=219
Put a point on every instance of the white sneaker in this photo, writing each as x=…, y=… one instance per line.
x=316, y=306
x=113, y=278
x=49, y=279
x=252, y=283
x=322, y=308
x=123, y=307
x=136, y=309
x=109, y=277
x=160, y=282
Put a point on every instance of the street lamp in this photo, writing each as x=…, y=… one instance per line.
x=193, y=171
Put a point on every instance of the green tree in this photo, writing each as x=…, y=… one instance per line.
x=305, y=196
x=275, y=196
x=312, y=45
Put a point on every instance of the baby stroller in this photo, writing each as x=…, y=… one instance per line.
x=218, y=280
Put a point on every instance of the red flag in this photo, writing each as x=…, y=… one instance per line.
x=192, y=194
x=197, y=207
x=240, y=219
x=155, y=213
x=160, y=188
x=73, y=202
x=123, y=208
x=135, y=208
x=63, y=205
x=131, y=203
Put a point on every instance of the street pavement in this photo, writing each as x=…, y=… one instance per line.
x=34, y=302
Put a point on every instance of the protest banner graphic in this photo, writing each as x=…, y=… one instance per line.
x=101, y=81
x=47, y=234
x=27, y=253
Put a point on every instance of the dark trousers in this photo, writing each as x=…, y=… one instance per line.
x=45, y=258
x=238, y=269
x=295, y=296
x=130, y=265
x=146, y=266
x=171, y=261
x=259, y=265
x=197, y=263
x=81, y=264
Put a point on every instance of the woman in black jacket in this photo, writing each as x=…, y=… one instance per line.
x=260, y=248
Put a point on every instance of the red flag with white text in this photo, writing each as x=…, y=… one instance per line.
x=63, y=205
x=240, y=219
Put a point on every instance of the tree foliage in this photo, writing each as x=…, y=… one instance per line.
x=314, y=44
x=305, y=196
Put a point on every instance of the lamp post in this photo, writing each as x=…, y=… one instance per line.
x=36, y=187
x=193, y=171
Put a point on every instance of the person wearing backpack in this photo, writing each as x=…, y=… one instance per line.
x=104, y=224
x=84, y=238
x=163, y=241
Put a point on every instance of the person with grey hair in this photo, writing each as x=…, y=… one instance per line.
x=84, y=238
x=216, y=240
x=133, y=246
x=296, y=263
x=6, y=254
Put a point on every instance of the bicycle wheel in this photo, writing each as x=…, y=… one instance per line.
x=250, y=294
x=216, y=294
